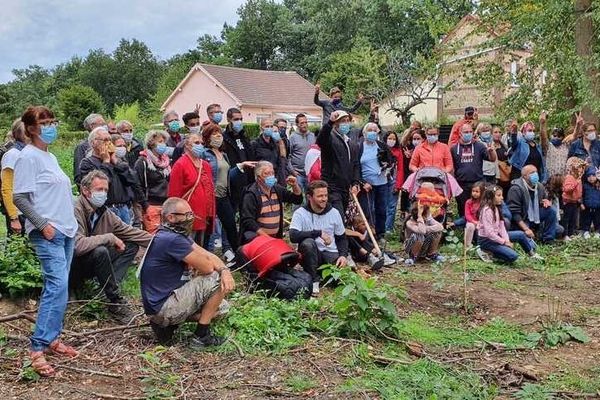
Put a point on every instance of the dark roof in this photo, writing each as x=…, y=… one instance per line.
x=253, y=86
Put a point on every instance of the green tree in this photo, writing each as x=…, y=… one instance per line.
x=77, y=102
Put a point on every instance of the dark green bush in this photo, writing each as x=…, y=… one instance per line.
x=20, y=271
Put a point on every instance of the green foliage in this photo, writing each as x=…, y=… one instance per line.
x=160, y=383
x=422, y=379
x=361, y=306
x=27, y=373
x=77, y=102
x=300, y=383
x=531, y=391
x=557, y=332
x=252, y=130
x=20, y=271
x=128, y=112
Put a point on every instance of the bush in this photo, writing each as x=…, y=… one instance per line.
x=77, y=102
x=129, y=112
x=20, y=271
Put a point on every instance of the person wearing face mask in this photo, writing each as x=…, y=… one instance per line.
x=42, y=192
x=269, y=146
x=180, y=281
x=153, y=170
x=340, y=161
x=335, y=104
x=214, y=113
x=222, y=174
x=281, y=125
x=525, y=151
x=588, y=146
x=471, y=117
x=395, y=180
x=191, y=122
x=490, y=168
x=262, y=203
x=15, y=221
x=173, y=127
x=104, y=246
x=376, y=162
x=300, y=142
x=90, y=123
x=238, y=149
x=409, y=142
x=431, y=153
x=133, y=146
x=530, y=206
x=191, y=180
x=468, y=156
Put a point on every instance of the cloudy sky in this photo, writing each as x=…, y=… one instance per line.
x=48, y=32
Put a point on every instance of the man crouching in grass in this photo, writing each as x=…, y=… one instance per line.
x=181, y=281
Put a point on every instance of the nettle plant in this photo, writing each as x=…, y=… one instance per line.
x=20, y=271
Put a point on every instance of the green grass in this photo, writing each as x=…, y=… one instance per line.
x=507, y=285
x=575, y=381
x=130, y=287
x=300, y=383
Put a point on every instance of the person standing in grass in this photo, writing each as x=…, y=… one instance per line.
x=15, y=221
x=42, y=191
x=572, y=195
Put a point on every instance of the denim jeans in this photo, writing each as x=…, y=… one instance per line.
x=391, y=208
x=123, y=212
x=55, y=258
x=505, y=253
x=374, y=204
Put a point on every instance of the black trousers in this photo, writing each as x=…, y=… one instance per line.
x=589, y=216
x=312, y=258
x=569, y=220
x=226, y=214
x=355, y=244
x=339, y=200
x=105, y=264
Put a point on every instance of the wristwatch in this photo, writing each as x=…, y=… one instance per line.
x=219, y=271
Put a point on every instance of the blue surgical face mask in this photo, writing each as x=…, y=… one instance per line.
x=98, y=198
x=270, y=181
x=529, y=136
x=198, y=150
x=556, y=141
x=432, y=138
x=467, y=137
x=372, y=136
x=534, y=178
x=486, y=137
x=275, y=136
x=48, y=134
x=120, y=151
x=267, y=132
x=161, y=148
x=237, y=126
x=344, y=128
x=217, y=117
x=174, y=126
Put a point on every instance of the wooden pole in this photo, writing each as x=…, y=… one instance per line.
x=369, y=231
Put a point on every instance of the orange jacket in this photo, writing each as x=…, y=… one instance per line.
x=428, y=155
x=572, y=190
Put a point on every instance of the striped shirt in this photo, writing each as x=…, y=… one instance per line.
x=270, y=213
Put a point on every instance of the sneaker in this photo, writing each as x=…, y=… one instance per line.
x=536, y=256
x=485, y=257
x=315, y=288
x=218, y=244
x=388, y=261
x=121, y=312
x=409, y=261
x=438, y=258
x=375, y=263
x=350, y=262
x=228, y=256
x=568, y=238
x=163, y=334
x=207, y=341
x=586, y=235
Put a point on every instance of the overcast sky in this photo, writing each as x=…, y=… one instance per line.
x=48, y=32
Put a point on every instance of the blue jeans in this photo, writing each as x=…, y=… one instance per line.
x=546, y=229
x=391, y=208
x=505, y=253
x=123, y=212
x=55, y=258
x=374, y=204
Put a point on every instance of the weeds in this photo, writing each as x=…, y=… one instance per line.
x=300, y=383
x=531, y=391
x=20, y=271
x=554, y=330
x=160, y=383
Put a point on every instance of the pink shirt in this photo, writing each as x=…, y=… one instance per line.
x=490, y=229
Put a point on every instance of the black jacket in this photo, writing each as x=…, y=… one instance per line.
x=238, y=149
x=154, y=184
x=251, y=205
x=134, y=153
x=340, y=161
x=518, y=199
x=269, y=151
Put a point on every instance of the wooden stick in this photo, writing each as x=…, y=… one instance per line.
x=369, y=231
x=112, y=329
x=21, y=315
x=92, y=372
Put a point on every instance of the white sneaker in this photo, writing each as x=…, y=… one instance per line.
x=536, y=256
x=568, y=238
x=315, y=289
x=228, y=256
x=218, y=244
x=409, y=261
x=387, y=260
x=350, y=262
x=375, y=263
x=586, y=235
x=485, y=257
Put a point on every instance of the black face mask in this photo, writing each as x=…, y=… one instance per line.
x=184, y=227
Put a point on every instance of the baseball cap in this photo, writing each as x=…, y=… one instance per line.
x=341, y=114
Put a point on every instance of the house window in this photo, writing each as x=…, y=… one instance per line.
x=514, y=73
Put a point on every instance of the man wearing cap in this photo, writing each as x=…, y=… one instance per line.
x=471, y=117
x=335, y=103
x=340, y=162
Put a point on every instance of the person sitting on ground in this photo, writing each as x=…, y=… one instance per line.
x=361, y=246
x=423, y=235
x=530, y=207
x=493, y=236
x=472, y=213
x=335, y=104
x=169, y=294
x=262, y=203
x=104, y=245
x=318, y=229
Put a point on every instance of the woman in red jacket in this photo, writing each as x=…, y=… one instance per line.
x=191, y=180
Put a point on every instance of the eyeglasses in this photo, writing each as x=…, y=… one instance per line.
x=187, y=215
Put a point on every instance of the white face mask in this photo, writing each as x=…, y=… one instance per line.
x=194, y=129
x=120, y=151
x=98, y=198
x=591, y=136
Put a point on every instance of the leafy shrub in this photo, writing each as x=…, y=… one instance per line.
x=77, y=102
x=20, y=271
x=556, y=333
x=129, y=112
x=361, y=306
x=531, y=391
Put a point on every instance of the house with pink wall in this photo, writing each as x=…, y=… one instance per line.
x=258, y=94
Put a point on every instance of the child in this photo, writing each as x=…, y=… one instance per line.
x=493, y=236
x=335, y=103
x=423, y=234
x=361, y=247
x=472, y=213
x=591, y=202
x=554, y=188
x=572, y=195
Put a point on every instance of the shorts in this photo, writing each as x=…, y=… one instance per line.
x=187, y=301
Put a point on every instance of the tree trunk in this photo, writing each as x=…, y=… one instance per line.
x=584, y=43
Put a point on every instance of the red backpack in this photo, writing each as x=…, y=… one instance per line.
x=265, y=253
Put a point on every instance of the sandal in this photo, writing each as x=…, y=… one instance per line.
x=40, y=365
x=59, y=348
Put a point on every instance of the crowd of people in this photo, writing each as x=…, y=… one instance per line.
x=191, y=185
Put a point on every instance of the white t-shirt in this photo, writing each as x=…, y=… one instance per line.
x=9, y=159
x=330, y=223
x=37, y=172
